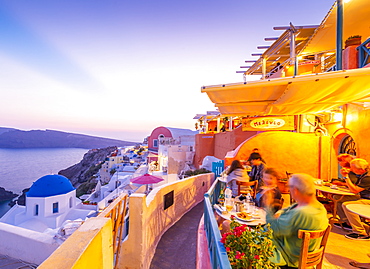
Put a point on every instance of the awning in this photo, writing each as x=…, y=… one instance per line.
x=293, y=95
x=356, y=20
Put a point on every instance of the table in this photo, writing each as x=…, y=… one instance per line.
x=341, y=192
x=360, y=209
x=260, y=217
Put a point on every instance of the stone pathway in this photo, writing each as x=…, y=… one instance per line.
x=177, y=247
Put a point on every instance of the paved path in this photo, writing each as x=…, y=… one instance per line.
x=177, y=247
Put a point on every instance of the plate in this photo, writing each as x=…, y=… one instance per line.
x=240, y=217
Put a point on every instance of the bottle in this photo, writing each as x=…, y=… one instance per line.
x=228, y=199
x=247, y=202
x=221, y=197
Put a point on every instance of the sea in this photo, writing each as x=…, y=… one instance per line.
x=19, y=168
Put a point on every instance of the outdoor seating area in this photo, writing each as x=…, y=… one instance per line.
x=327, y=255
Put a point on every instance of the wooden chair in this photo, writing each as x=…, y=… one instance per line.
x=307, y=259
x=252, y=184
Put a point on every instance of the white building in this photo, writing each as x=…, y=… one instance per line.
x=52, y=212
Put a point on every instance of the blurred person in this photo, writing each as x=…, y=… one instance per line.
x=270, y=179
x=236, y=172
x=306, y=214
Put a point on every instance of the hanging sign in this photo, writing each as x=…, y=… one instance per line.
x=268, y=123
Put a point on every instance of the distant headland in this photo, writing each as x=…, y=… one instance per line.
x=16, y=139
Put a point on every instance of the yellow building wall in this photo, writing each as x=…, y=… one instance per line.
x=290, y=152
x=88, y=247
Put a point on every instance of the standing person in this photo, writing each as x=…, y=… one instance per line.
x=270, y=179
x=307, y=214
x=235, y=173
x=360, y=230
x=360, y=168
x=257, y=167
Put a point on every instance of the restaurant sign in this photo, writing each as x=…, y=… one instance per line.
x=268, y=123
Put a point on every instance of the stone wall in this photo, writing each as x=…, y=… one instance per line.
x=149, y=220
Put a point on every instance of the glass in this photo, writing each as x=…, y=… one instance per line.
x=229, y=208
x=229, y=205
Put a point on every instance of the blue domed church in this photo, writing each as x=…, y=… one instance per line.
x=51, y=195
x=52, y=213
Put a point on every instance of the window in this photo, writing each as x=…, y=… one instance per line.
x=155, y=143
x=70, y=202
x=55, y=207
x=36, y=210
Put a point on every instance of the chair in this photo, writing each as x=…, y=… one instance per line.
x=252, y=184
x=311, y=258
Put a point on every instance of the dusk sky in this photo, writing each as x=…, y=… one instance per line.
x=119, y=69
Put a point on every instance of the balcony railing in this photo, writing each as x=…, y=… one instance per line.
x=217, y=251
x=116, y=211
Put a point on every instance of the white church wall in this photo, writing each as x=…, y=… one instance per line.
x=31, y=203
x=27, y=245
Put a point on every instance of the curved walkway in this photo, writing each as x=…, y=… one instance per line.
x=177, y=247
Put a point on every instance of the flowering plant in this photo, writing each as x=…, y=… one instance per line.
x=249, y=247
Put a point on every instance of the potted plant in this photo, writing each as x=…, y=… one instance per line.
x=354, y=40
x=248, y=247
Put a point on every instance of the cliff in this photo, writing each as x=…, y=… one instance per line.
x=87, y=167
x=6, y=195
x=13, y=138
x=81, y=174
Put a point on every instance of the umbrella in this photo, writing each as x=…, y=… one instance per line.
x=146, y=179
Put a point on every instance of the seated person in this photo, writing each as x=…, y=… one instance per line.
x=307, y=214
x=344, y=161
x=257, y=167
x=270, y=187
x=360, y=230
x=360, y=168
x=235, y=173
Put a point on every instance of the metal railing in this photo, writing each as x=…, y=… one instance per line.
x=117, y=211
x=217, y=251
x=363, y=53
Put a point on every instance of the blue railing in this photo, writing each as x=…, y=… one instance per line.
x=218, y=167
x=217, y=251
x=363, y=53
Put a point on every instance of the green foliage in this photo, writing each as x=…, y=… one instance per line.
x=249, y=247
x=354, y=36
x=195, y=172
x=92, y=171
x=84, y=188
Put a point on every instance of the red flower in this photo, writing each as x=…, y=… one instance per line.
x=239, y=255
x=228, y=249
x=257, y=257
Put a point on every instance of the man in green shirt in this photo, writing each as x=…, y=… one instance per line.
x=307, y=214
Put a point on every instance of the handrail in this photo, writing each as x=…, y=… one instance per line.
x=363, y=53
x=116, y=211
x=216, y=249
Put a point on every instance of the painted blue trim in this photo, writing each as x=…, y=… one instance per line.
x=363, y=53
x=217, y=251
x=339, y=35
